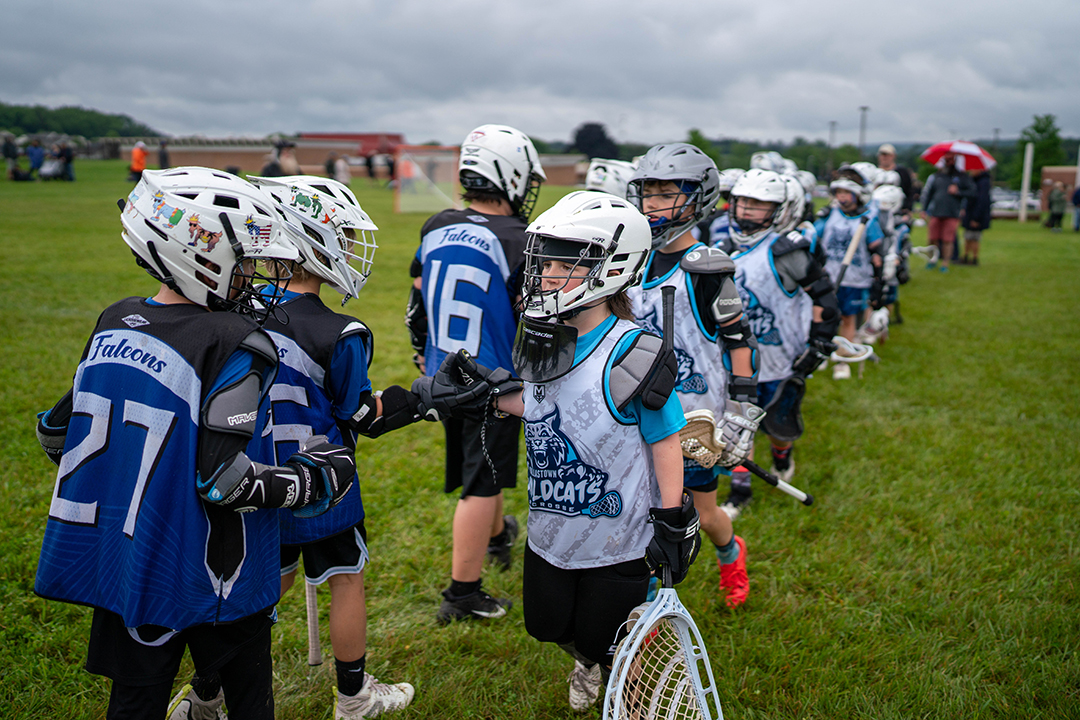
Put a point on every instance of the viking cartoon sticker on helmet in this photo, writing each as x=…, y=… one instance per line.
x=675, y=186
x=217, y=207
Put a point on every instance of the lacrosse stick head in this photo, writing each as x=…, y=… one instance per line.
x=849, y=352
x=661, y=667
x=701, y=440
x=930, y=252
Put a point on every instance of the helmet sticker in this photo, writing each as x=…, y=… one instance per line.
x=199, y=234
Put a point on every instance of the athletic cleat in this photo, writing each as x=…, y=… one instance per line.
x=735, y=503
x=186, y=705
x=841, y=371
x=478, y=605
x=944, y=268
x=785, y=475
x=374, y=698
x=499, y=554
x=733, y=579
x=584, y=686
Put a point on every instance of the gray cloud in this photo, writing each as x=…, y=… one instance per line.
x=650, y=71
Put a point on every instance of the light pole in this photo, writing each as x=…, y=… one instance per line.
x=832, y=141
x=862, y=129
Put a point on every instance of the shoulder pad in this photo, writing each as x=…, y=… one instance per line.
x=355, y=327
x=790, y=242
x=260, y=344
x=707, y=261
x=631, y=372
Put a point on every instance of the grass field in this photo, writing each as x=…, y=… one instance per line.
x=937, y=576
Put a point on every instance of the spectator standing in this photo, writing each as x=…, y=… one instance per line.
x=287, y=159
x=328, y=166
x=1057, y=206
x=886, y=156
x=369, y=161
x=1076, y=208
x=341, y=171
x=976, y=217
x=138, y=161
x=941, y=201
x=164, y=163
x=67, y=161
x=11, y=154
x=36, y=154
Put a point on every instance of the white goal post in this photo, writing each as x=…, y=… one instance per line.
x=427, y=179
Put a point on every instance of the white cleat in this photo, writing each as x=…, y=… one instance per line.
x=374, y=698
x=584, y=686
x=186, y=705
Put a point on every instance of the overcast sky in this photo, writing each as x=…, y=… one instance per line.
x=648, y=69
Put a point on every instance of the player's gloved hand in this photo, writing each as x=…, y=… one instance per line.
x=738, y=425
x=449, y=392
x=500, y=380
x=888, y=271
x=52, y=428
x=675, y=542
x=877, y=292
x=327, y=469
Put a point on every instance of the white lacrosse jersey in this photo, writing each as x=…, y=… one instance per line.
x=591, y=475
x=835, y=233
x=779, y=320
x=702, y=379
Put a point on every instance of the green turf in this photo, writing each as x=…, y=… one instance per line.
x=935, y=577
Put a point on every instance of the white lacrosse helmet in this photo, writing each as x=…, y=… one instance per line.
x=868, y=170
x=503, y=160
x=791, y=212
x=807, y=180
x=692, y=171
x=610, y=176
x=790, y=167
x=764, y=185
x=889, y=197
x=887, y=177
x=321, y=211
x=200, y=231
x=590, y=230
x=728, y=178
x=767, y=160
x=849, y=178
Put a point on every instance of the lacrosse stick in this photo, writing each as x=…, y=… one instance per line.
x=849, y=352
x=856, y=238
x=804, y=498
x=661, y=669
x=314, y=645
x=931, y=252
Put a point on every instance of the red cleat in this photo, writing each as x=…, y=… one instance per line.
x=733, y=580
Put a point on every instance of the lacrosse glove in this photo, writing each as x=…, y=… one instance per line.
x=328, y=469
x=460, y=384
x=675, y=542
x=738, y=425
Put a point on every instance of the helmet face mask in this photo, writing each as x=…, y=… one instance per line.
x=202, y=231
x=694, y=177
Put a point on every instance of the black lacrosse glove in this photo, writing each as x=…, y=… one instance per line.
x=675, y=542
x=877, y=291
x=457, y=386
x=500, y=380
x=327, y=469
x=812, y=357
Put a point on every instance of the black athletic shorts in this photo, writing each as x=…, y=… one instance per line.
x=343, y=554
x=467, y=467
x=583, y=607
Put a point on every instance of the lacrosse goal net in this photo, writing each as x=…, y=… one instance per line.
x=427, y=179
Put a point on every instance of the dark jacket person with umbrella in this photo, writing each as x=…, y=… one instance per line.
x=942, y=200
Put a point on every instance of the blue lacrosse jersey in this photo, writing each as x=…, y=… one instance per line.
x=323, y=358
x=127, y=531
x=471, y=267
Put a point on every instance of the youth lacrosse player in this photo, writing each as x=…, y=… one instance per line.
x=606, y=504
x=715, y=225
x=836, y=226
x=675, y=187
x=467, y=275
x=160, y=520
x=790, y=304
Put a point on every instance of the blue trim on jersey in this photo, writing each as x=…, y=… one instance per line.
x=236, y=367
x=591, y=339
x=655, y=425
x=647, y=284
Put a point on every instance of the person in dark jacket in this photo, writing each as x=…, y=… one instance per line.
x=942, y=199
x=1076, y=208
x=976, y=217
x=1057, y=206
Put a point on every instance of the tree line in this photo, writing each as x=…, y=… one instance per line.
x=69, y=120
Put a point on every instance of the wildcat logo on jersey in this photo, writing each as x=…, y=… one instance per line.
x=134, y=321
x=762, y=320
x=166, y=214
x=199, y=234
x=559, y=481
x=688, y=380
x=838, y=242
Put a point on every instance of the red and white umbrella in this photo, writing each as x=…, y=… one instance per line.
x=972, y=157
